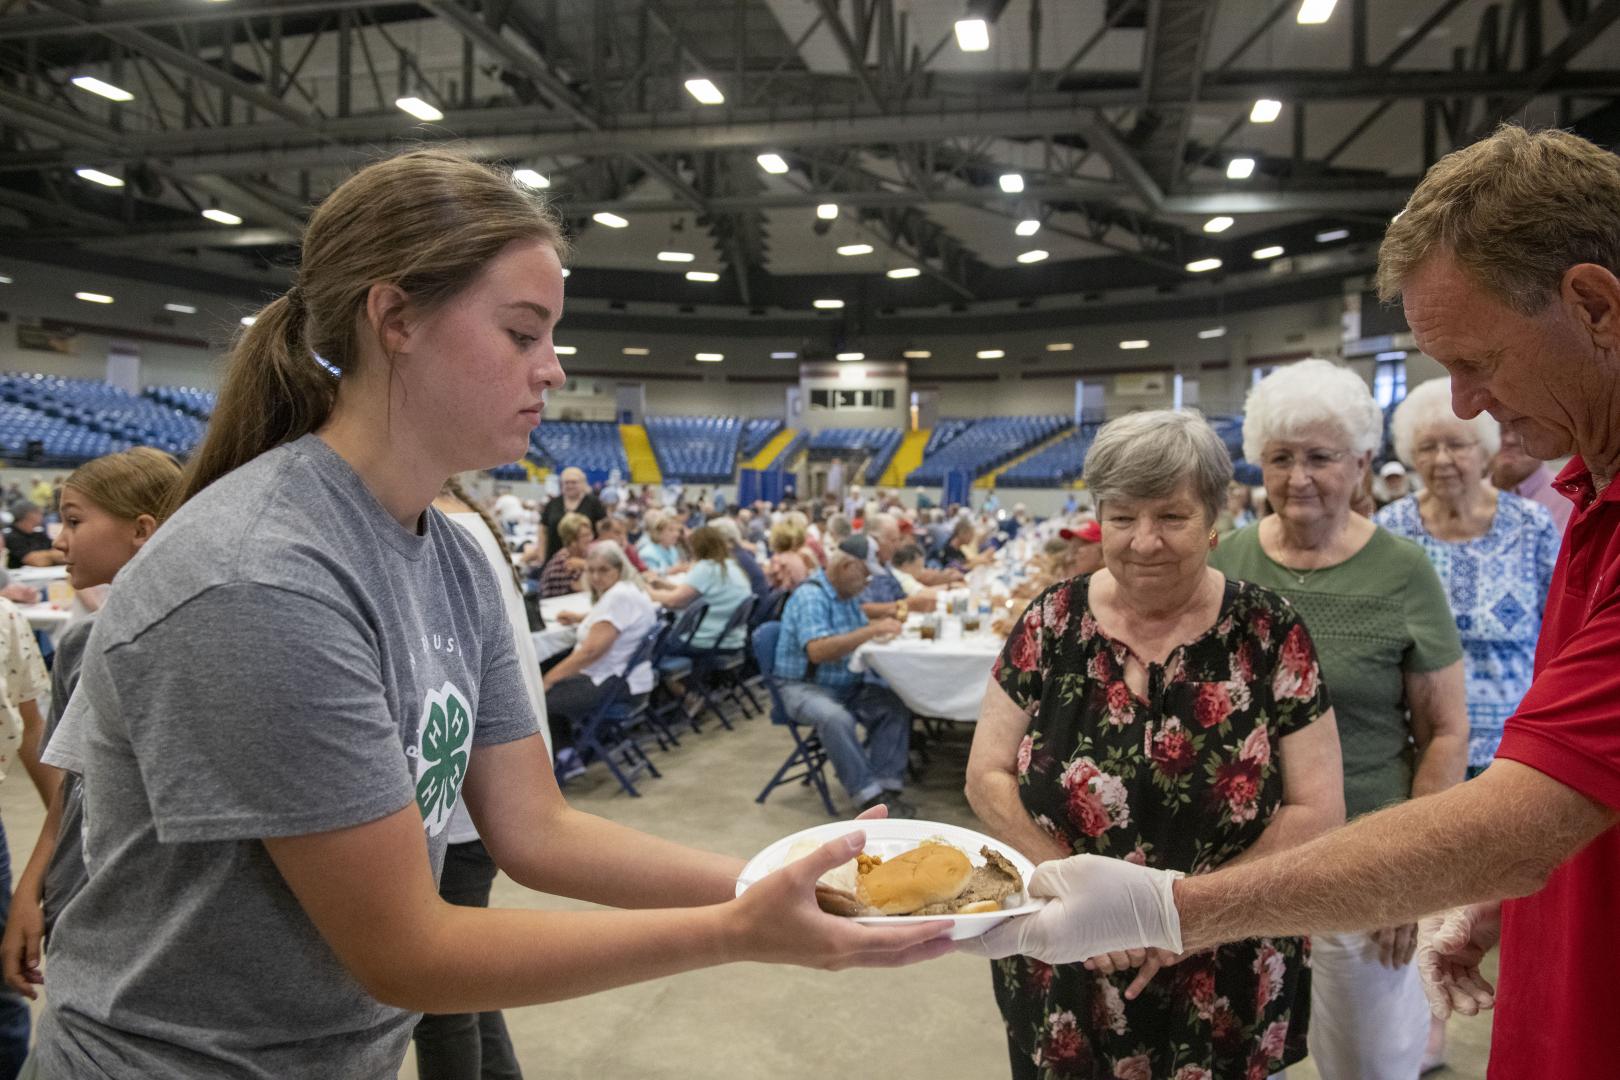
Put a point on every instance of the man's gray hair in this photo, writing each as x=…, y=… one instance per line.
x=838, y=528
x=1309, y=398
x=1149, y=455
x=1429, y=403
x=728, y=529
x=878, y=522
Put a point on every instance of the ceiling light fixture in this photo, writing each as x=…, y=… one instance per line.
x=784, y=356
x=1315, y=12
x=705, y=91
x=1012, y=183
x=96, y=176
x=1240, y=168
x=419, y=109
x=224, y=217
x=1269, y=252
x=676, y=256
x=635, y=350
x=1218, y=224
x=1331, y=235
x=565, y=350
x=4, y=280
x=103, y=89
x=248, y=320
x=855, y=249
x=1033, y=256
x=1211, y=333
x=180, y=309
x=990, y=354
x=708, y=357
x=530, y=178
x=845, y=357
x=972, y=35
x=1198, y=266
x=772, y=163
x=827, y=211
x=900, y=273
x=1136, y=343
x=1265, y=111
x=828, y=305
x=1027, y=227
x=566, y=271
x=93, y=297
x=1060, y=346
x=610, y=219
x=916, y=354
x=702, y=275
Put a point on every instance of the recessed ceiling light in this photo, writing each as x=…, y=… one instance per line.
x=1198, y=266
x=708, y=357
x=4, y=280
x=610, y=219
x=1265, y=111
x=705, y=91
x=991, y=354
x=248, y=320
x=828, y=305
x=972, y=35
x=676, y=256
x=916, y=354
x=1033, y=256
x=1136, y=343
x=93, y=297
x=224, y=217
x=827, y=211
x=772, y=163
x=566, y=271
x=1269, y=252
x=96, y=176
x=530, y=178
x=180, y=309
x=1332, y=235
x=635, y=350
x=1314, y=12
x=702, y=275
x=419, y=109
x=847, y=356
x=1027, y=227
x=1240, y=168
x=784, y=356
x=1397, y=216
x=565, y=350
x=901, y=272
x=1212, y=332
x=855, y=249
x=103, y=89
x=1060, y=346
x=1012, y=183
x=1218, y=224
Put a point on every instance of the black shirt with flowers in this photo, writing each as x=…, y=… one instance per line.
x=1185, y=777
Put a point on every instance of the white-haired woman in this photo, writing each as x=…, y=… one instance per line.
x=1393, y=666
x=1494, y=552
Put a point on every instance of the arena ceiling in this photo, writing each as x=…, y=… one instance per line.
x=1120, y=119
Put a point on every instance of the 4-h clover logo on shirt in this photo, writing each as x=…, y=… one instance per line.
x=444, y=744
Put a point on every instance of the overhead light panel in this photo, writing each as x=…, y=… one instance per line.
x=916, y=354
x=784, y=356
x=900, y=273
x=93, y=297
x=1060, y=346
x=96, y=176
x=180, y=309
x=676, y=256
x=610, y=219
x=855, y=249
x=772, y=163
x=1199, y=266
x=566, y=271
x=1218, y=224
x=827, y=211
x=828, y=305
x=419, y=109
x=702, y=275
x=1027, y=227
x=1269, y=252
x=565, y=350
x=1331, y=235
x=4, y=280
x=1212, y=333
x=845, y=357
x=224, y=217
x=1136, y=343
x=635, y=350
x=103, y=89
x=1240, y=168
x=705, y=91
x=1012, y=183
x=708, y=357
x=1315, y=12
x=1033, y=256
x=1397, y=216
x=1265, y=111
x=972, y=35
x=990, y=354
x=248, y=320
x=530, y=178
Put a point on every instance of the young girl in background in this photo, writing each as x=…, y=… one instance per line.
x=110, y=508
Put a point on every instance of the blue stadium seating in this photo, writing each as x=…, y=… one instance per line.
x=985, y=444
x=757, y=433
x=944, y=432
x=91, y=407
x=1056, y=466
x=188, y=399
x=881, y=443
x=591, y=445
x=695, y=449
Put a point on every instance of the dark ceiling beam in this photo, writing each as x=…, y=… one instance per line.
x=846, y=45
x=1552, y=65
x=157, y=239
x=163, y=13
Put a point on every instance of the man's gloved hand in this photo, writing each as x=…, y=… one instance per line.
x=1450, y=947
x=1095, y=905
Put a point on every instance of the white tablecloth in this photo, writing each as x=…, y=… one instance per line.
x=48, y=617
x=939, y=678
x=38, y=576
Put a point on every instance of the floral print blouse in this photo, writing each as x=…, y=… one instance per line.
x=1185, y=778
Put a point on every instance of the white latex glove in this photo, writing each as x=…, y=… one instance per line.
x=1450, y=947
x=1095, y=905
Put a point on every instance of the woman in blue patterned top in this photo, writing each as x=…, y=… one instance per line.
x=1494, y=551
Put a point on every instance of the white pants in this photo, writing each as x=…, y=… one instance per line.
x=1368, y=1022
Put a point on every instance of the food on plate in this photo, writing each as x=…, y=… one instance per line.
x=933, y=878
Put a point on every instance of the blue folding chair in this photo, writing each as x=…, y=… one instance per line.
x=675, y=663
x=608, y=735
x=808, y=753
x=718, y=665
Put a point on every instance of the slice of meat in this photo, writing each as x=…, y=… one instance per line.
x=996, y=880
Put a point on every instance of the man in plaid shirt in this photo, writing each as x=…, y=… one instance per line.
x=821, y=625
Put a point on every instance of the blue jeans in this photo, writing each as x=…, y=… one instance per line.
x=13, y=1009
x=865, y=771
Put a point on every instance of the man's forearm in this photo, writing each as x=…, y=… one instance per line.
x=826, y=650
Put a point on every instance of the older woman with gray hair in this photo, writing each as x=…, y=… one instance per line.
x=1393, y=664
x=1158, y=711
x=1494, y=553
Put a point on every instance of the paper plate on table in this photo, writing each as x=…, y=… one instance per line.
x=890, y=837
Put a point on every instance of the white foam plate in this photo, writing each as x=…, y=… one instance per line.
x=889, y=838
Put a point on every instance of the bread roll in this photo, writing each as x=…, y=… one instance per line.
x=929, y=874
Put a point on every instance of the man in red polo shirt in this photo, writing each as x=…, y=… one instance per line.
x=1507, y=259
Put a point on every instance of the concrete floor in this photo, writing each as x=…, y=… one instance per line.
x=930, y=1021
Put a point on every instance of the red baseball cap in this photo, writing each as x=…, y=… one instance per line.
x=1089, y=531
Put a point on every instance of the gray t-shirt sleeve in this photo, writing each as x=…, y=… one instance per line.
x=255, y=711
